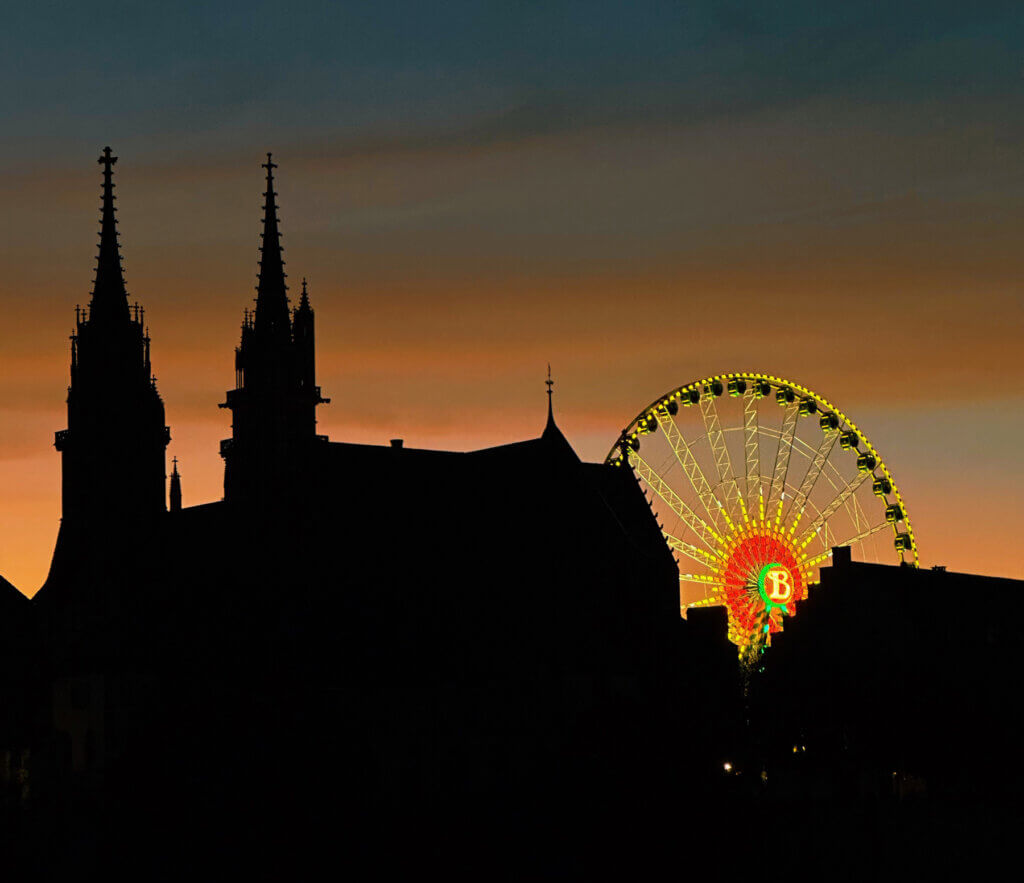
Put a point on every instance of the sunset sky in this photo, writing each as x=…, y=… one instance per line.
x=641, y=194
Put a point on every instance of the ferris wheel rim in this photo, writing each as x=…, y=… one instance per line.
x=615, y=454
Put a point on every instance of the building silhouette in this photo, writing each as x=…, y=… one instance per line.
x=273, y=407
x=353, y=635
x=396, y=659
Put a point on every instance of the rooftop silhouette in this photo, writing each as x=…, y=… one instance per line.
x=476, y=653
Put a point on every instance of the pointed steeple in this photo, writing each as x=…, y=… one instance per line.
x=109, y=298
x=273, y=405
x=303, y=335
x=552, y=434
x=175, y=488
x=272, y=315
x=551, y=416
x=112, y=452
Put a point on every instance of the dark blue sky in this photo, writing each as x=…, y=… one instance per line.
x=165, y=77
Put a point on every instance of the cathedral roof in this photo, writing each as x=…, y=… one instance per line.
x=10, y=597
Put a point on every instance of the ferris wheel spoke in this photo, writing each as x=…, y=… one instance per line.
x=830, y=509
x=863, y=535
x=691, y=551
x=828, y=442
x=748, y=558
x=720, y=452
x=782, y=455
x=713, y=587
x=706, y=534
x=827, y=536
x=752, y=448
x=867, y=532
x=684, y=456
x=857, y=516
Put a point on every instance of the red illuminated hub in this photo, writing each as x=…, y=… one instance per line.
x=763, y=581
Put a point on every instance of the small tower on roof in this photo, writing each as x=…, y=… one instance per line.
x=175, y=488
x=552, y=433
x=549, y=383
x=273, y=405
x=303, y=334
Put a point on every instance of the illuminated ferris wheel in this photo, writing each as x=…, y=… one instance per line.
x=754, y=479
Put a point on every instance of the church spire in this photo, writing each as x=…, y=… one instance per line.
x=552, y=434
x=175, y=488
x=273, y=404
x=109, y=297
x=271, y=292
x=112, y=452
x=551, y=416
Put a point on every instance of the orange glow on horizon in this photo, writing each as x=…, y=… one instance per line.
x=445, y=280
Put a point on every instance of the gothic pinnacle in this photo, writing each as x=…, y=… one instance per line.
x=109, y=297
x=550, y=384
x=271, y=298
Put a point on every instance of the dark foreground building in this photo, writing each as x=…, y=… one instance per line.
x=398, y=662
x=371, y=650
x=882, y=732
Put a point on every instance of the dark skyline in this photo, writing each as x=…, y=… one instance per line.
x=640, y=195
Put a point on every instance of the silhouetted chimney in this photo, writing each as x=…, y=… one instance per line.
x=841, y=556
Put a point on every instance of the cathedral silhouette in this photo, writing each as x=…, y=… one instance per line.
x=353, y=632
x=389, y=662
